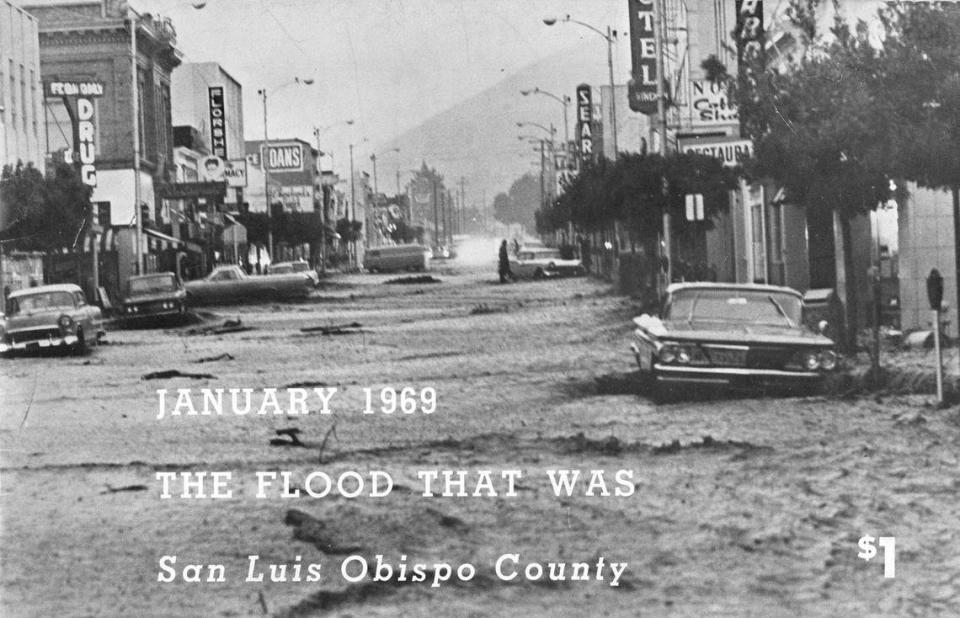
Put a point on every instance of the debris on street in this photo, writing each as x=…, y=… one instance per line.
x=175, y=373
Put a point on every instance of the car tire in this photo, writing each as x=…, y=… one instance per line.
x=538, y=274
x=657, y=392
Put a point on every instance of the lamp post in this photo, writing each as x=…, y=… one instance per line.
x=317, y=131
x=564, y=100
x=553, y=180
x=608, y=37
x=265, y=155
x=397, y=150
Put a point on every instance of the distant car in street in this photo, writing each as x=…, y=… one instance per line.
x=396, y=257
x=728, y=334
x=543, y=263
x=49, y=317
x=299, y=266
x=156, y=295
x=229, y=284
x=443, y=252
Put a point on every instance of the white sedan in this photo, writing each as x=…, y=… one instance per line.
x=543, y=262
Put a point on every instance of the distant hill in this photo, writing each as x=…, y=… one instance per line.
x=477, y=139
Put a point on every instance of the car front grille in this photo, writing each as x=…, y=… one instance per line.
x=768, y=357
x=727, y=356
x=34, y=335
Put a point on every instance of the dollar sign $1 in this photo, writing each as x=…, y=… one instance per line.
x=889, y=545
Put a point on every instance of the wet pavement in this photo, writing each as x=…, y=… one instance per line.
x=736, y=505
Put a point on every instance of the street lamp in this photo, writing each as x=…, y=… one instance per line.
x=317, y=131
x=551, y=130
x=264, y=155
x=564, y=100
x=608, y=37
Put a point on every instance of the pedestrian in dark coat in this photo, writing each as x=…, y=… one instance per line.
x=504, y=263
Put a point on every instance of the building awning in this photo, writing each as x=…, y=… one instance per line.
x=159, y=241
x=108, y=241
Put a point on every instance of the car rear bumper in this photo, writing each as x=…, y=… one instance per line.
x=39, y=344
x=731, y=375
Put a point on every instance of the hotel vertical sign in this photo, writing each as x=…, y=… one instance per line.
x=643, y=52
x=218, y=126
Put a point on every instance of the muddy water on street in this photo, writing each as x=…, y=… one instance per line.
x=736, y=506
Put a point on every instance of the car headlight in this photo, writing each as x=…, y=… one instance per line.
x=64, y=321
x=811, y=361
x=683, y=355
x=828, y=360
x=668, y=353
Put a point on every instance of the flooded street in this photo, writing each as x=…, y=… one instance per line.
x=746, y=506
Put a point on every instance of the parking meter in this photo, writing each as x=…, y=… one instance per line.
x=935, y=296
x=935, y=289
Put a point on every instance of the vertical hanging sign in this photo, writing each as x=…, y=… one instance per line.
x=584, y=122
x=642, y=89
x=218, y=126
x=749, y=33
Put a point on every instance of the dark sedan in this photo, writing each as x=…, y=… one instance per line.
x=153, y=296
x=727, y=334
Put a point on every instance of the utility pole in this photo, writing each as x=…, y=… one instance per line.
x=265, y=163
x=323, y=210
x=353, y=206
x=463, y=205
x=436, y=221
x=373, y=158
x=662, y=115
x=135, y=105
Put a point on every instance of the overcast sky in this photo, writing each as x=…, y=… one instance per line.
x=387, y=64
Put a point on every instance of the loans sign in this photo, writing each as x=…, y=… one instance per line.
x=284, y=157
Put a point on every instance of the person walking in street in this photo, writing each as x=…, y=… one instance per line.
x=504, y=263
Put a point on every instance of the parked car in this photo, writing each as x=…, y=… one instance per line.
x=156, y=295
x=542, y=263
x=49, y=316
x=285, y=268
x=397, y=257
x=729, y=334
x=229, y=283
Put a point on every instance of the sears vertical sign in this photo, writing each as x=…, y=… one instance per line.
x=749, y=33
x=643, y=53
x=218, y=122
x=584, y=122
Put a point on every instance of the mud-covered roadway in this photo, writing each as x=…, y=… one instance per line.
x=746, y=506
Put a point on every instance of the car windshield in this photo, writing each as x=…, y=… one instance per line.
x=281, y=270
x=41, y=301
x=152, y=285
x=730, y=305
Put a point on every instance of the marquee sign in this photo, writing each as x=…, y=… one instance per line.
x=73, y=88
x=730, y=151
